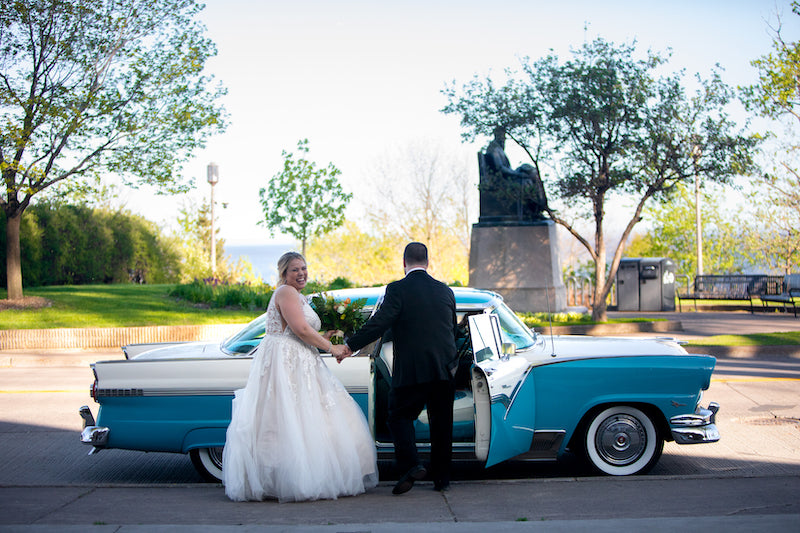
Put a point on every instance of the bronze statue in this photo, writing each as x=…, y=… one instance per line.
x=507, y=195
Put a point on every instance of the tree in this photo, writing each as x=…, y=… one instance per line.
x=777, y=96
x=363, y=258
x=673, y=234
x=615, y=129
x=302, y=200
x=423, y=193
x=79, y=244
x=98, y=86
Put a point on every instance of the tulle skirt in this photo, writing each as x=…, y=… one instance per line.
x=295, y=432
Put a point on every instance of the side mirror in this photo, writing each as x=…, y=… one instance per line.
x=507, y=349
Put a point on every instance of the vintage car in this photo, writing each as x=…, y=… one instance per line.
x=520, y=395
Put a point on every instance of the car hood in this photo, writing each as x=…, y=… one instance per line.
x=183, y=350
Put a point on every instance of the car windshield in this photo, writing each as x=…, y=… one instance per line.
x=247, y=339
x=512, y=329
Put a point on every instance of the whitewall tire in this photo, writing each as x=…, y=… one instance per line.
x=208, y=462
x=622, y=441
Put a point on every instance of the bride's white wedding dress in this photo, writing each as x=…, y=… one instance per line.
x=295, y=432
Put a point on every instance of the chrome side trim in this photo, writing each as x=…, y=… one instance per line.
x=130, y=393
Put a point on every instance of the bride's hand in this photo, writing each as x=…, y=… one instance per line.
x=340, y=351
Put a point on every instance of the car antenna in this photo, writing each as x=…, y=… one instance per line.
x=550, y=318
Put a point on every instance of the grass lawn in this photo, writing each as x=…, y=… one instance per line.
x=88, y=306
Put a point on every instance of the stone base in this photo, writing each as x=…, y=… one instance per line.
x=520, y=262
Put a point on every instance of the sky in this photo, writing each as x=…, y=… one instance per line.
x=361, y=78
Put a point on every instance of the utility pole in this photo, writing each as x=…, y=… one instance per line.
x=213, y=177
x=696, y=153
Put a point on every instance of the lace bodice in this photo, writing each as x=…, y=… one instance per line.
x=274, y=324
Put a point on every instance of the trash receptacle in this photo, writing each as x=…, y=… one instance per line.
x=628, y=285
x=646, y=284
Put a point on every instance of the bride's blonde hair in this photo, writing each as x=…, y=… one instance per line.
x=283, y=265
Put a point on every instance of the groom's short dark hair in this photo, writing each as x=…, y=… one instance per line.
x=415, y=253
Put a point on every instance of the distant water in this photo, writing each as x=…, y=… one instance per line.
x=263, y=257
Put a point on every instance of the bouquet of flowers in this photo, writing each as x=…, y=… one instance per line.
x=344, y=315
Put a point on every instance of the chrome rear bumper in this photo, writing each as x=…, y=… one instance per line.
x=93, y=435
x=696, y=428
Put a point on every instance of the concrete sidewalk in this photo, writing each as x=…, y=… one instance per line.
x=591, y=505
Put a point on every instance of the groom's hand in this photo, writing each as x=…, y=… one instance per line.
x=346, y=352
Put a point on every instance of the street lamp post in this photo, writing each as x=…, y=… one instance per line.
x=213, y=178
x=696, y=153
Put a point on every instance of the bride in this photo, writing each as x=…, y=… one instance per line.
x=295, y=432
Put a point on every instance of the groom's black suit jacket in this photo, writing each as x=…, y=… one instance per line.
x=421, y=313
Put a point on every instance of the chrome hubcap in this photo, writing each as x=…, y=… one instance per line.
x=620, y=440
x=215, y=454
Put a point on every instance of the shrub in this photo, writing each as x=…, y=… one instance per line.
x=217, y=293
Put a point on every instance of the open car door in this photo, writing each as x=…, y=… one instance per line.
x=504, y=397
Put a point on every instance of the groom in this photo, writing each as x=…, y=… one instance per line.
x=421, y=312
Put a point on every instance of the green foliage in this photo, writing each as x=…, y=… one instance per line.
x=345, y=315
x=673, y=233
x=537, y=320
x=194, y=242
x=348, y=251
x=218, y=293
x=75, y=245
x=100, y=86
x=773, y=238
x=776, y=93
x=302, y=200
x=371, y=259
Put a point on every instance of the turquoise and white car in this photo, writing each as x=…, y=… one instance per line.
x=520, y=395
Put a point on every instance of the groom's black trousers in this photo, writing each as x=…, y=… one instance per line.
x=405, y=405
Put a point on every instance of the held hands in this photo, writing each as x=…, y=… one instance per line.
x=341, y=351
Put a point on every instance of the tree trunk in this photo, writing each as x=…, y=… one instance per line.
x=599, y=307
x=13, y=258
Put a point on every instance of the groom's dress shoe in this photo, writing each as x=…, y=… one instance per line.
x=407, y=481
x=441, y=486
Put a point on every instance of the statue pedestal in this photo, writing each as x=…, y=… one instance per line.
x=520, y=262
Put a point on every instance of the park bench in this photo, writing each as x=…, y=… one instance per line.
x=783, y=294
x=771, y=291
x=716, y=287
